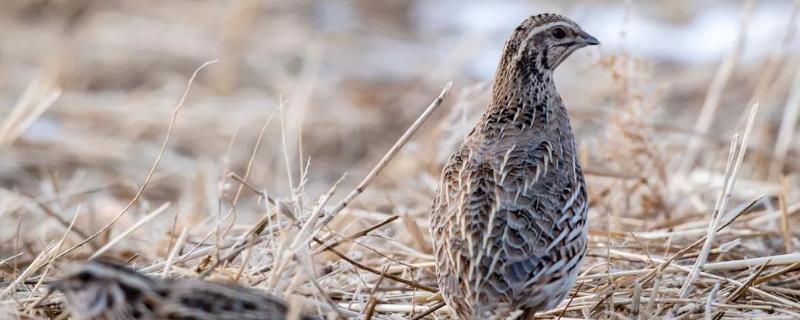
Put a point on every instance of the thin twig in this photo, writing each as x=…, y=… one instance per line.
x=153, y=168
x=430, y=310
x=722, y=201
x=740, y=291
x=372, y=300
x=710, y=301
x=577, y=290
x=174, y=252
x=357, y=235
x=388, y=156
x=125, y=233
x=371, y=270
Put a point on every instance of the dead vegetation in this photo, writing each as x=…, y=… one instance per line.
x=275, y=168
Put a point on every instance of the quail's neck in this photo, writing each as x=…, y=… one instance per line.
x=524, y=102
x=529, y=87
x=521, y=73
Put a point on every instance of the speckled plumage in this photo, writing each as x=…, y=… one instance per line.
x=509, y=222
x=108, y=291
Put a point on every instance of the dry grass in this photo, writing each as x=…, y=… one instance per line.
x=278, y=170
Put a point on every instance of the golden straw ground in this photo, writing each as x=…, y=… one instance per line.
x=84, y=116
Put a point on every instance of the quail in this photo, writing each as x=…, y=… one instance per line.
x=103, y=290
x=508, y=223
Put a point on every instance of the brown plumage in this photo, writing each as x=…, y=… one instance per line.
x=108, y=291
x=509, y=218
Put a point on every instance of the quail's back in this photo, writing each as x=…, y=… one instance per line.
x=101, y=290
x=509, y=218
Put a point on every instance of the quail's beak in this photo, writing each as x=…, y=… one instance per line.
x=587, y=39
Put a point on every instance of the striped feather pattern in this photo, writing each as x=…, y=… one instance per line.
x=509, y=218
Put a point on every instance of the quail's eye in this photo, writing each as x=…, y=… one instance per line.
x=84, y=276
x=558, y=33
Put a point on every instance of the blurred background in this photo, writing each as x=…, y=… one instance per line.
x=88, y=87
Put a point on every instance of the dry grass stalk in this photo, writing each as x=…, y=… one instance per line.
x=153, y=168
x=39, y=96
x=144, y=220
x=647, y=242
x=716, y=88
x=389, y=155
x=722, y=200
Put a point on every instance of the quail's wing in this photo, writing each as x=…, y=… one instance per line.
x=205, y=300
x=447, y=221
x=539, y=220
x=510, y=218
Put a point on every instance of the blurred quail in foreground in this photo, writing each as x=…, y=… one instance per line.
x=102, y=290
x=509, y=217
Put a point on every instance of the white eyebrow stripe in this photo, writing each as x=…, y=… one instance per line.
x=522, y=45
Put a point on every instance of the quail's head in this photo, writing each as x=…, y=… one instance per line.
x=96, y=288
x=546, y=40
